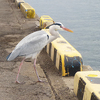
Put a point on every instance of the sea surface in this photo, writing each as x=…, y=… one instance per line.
x=81, y=16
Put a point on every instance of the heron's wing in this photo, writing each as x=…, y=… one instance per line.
x=30, y=37
x=32, y=43
x=34, y=46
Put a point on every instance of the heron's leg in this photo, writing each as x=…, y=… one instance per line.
x=19, y=70
x=36, y=70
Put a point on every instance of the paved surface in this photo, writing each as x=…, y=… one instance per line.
x=13, y=27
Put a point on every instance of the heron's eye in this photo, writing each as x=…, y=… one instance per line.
x=60, y=26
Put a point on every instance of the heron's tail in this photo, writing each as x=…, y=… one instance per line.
x=8, y=56
x=12, y=56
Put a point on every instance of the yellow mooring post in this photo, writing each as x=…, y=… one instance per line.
x=45, y=21
x=87, y=85
x=18, y=2
x=65, y=57
x=27, y=10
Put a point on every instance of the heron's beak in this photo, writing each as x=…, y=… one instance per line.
x=66, y=29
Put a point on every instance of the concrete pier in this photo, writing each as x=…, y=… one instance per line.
x=13, y=27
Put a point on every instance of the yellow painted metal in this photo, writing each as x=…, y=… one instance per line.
x=45, y=21
x=64, y=48
x=27, y=10
x=92, y=75
x=18, y=2
x=91, y=89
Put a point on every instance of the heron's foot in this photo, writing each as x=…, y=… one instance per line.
x=41, y=81
x=17, y=82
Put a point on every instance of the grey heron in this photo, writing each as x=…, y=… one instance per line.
x=32, y=44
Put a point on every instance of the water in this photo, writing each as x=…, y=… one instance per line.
x=83, y=17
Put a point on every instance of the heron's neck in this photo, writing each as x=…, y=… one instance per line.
x=53, y=36
x=53, y=32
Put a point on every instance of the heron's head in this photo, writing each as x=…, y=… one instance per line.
x=58, y=26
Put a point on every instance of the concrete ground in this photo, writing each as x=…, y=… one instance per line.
x=13, y=27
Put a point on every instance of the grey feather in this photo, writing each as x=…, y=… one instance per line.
x=33, y=43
